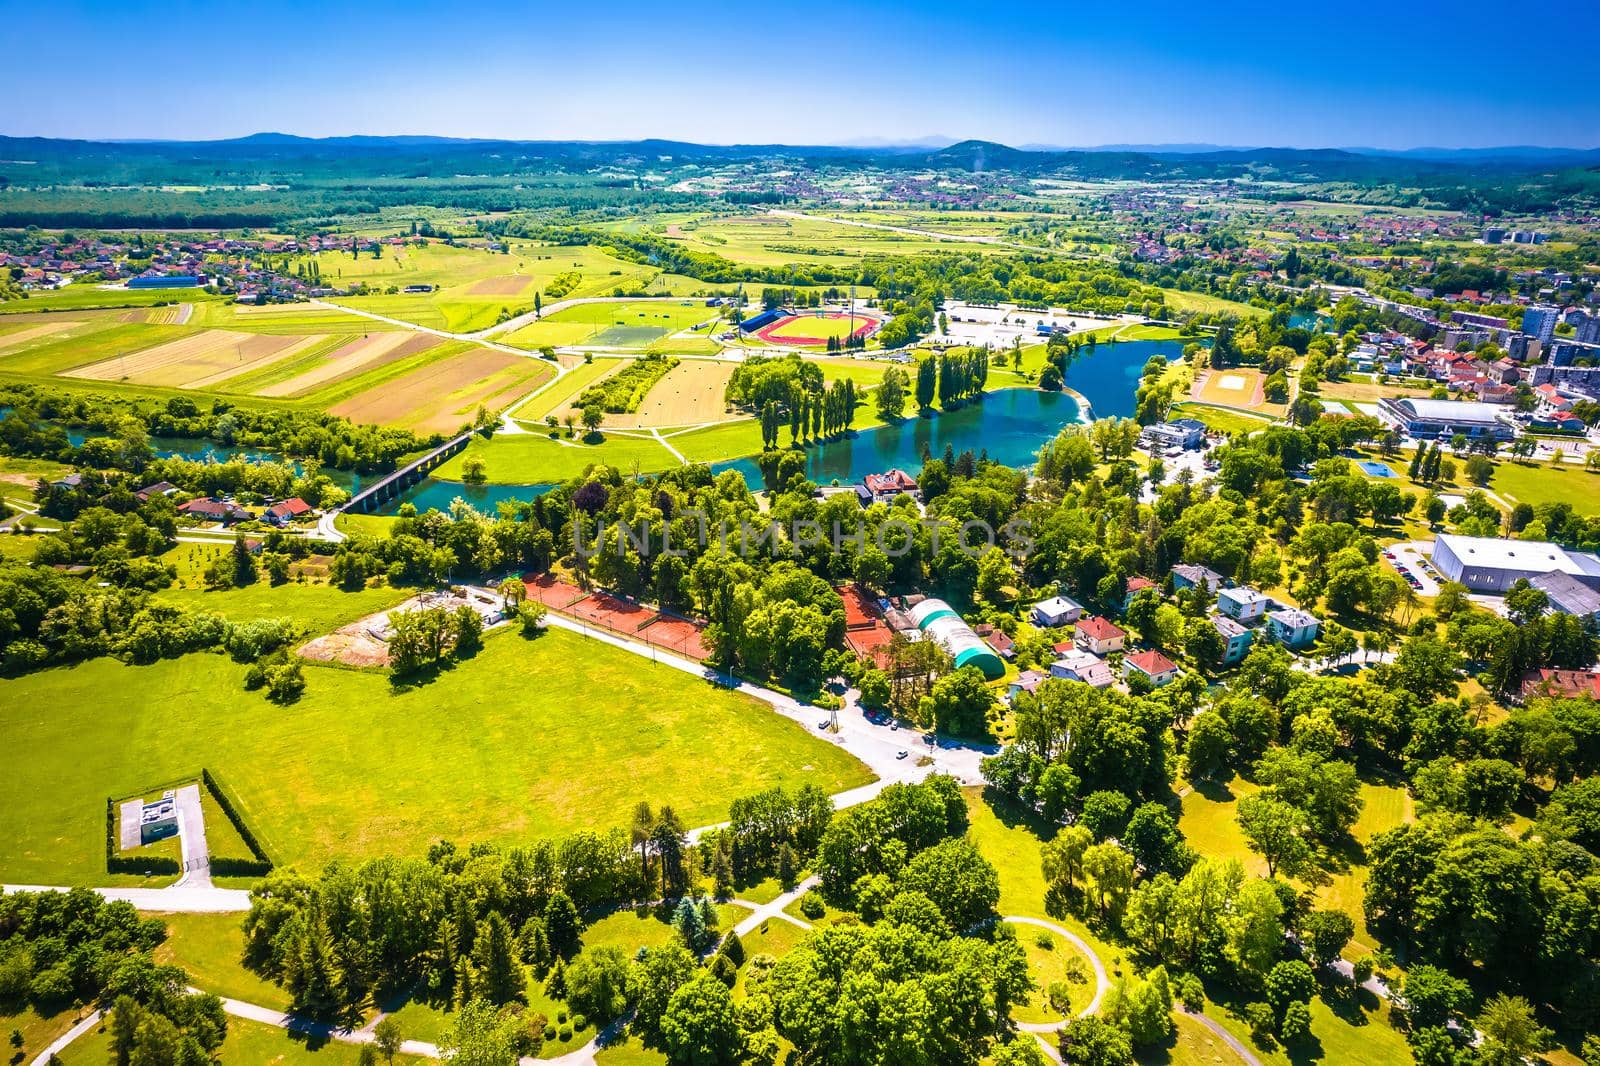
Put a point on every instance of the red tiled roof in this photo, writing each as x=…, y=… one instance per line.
x=1096, y=628
x=1151, y=662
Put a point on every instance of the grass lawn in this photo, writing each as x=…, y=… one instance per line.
x=1209, y=824
x=37, y=1029
x=1220, y=419
x=210, y=946
x=1354, y=1032
x=1008, y=839
x=1181, y=302
x=629, y=1051
x=517, y=742
x=1540, y=483
x=774, y=937
x=623, y=324
x=318, y=607
x=373, y=525
x=536, y=458
x=1050, y=956
x=1192, y=1045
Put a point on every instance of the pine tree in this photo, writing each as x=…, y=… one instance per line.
x=500, y=974
x=927, y=379
x=786, y=866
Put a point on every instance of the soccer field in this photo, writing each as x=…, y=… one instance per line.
x=526, y=739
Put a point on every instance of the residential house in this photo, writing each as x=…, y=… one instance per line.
x=285, y=511
x=1155, y=667
x=1099, y=635
x=997, y=639
x=1136, y=585
x=887, y=486
x=1078, y=665
x=1235, y=638
x=1190, y=575
x=1027, y=681
x=1564, y=683
x=1056, y=611
x=1292, y=627
x=160, y=488
x=1243, y=604
x=214, y=510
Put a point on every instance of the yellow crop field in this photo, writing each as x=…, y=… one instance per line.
x=196, y=361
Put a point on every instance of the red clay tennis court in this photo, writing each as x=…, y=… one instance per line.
x=625, y=618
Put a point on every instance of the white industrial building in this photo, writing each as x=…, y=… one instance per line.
x=1491, y=564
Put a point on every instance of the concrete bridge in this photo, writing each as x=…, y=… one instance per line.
x=374, y=497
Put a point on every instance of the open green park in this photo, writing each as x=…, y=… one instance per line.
x=528, y=738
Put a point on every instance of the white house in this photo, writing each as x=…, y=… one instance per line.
x=1156, y=668
x=1079, y=665
x=1235, y=638
x=1292, y=627
x=1056, y=611
x=1242, y=604
x=1098, y=635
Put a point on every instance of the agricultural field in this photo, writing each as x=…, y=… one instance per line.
x=560, y=398
x=497, y=749
x=370, y=352
x=445, y=392
x=200, y=360
x=621, y=324
x=773, y=240
x=472, y=286
x=689, y=394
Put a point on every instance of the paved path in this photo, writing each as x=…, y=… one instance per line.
x=761, y=912
x=1102, y=981
x=1239, y=1047
x=59, y=1044
x=192, y=839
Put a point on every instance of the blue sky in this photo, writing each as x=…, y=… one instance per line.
x=1394, y=74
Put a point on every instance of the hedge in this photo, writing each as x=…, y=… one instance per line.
x=260, y=862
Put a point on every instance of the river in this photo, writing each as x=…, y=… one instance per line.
x=1008, y=424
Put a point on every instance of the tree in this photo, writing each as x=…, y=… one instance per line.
x=593, y=414
x=1433, y=996
x=499, y=971
x=960, y=881
x=1276, y=831
x=701, y=1026
x=1092, y=1042
x=891, y=396
x=561, y=924
x=1111, y=871
x=1290, y=981
x=512, y=592
x=388, y=1036
x=927, y=382
x=1326, y=933
x=597, y=983
x=652, y=981
x=478, y=1038
x=1511, y=1033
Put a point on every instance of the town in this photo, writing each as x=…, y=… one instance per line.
x=793, y=594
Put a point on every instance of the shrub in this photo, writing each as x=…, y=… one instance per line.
x=811, y=905
x=564, y=1034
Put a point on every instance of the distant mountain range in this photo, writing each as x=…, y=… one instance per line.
x=288, y=157
x=932, y=144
